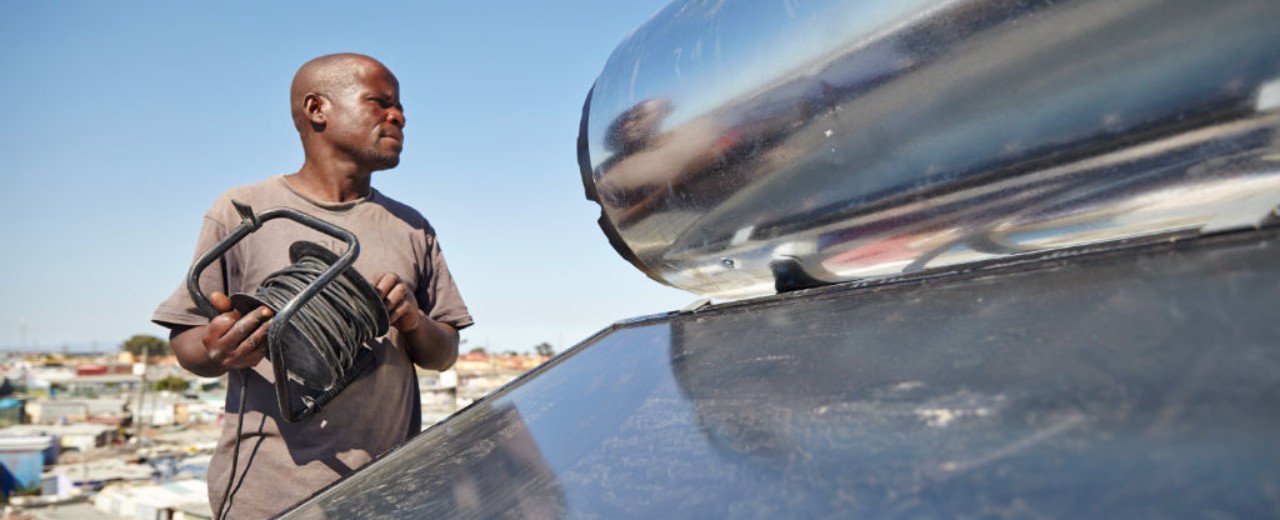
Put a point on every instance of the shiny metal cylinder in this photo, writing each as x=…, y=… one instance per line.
x=740, y=146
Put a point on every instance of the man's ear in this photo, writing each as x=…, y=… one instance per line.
x=315, y=108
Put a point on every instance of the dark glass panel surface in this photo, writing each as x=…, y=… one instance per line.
x=1136, y=383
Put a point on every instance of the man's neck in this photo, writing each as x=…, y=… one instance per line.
x=334, y=185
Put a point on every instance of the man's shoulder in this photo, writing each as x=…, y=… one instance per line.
x=260, y=195
x=271, y=188
x=402, y=211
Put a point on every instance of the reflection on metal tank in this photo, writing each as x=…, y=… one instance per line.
x=741, y=147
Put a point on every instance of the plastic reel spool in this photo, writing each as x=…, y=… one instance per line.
x=310, y=364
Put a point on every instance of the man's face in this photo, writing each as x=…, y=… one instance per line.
x=366, y=121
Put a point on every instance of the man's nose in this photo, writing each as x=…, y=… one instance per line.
x=396, y=117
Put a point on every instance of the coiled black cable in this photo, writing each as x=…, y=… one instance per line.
x=336, y=322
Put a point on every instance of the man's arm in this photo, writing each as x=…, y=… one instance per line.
x=229, y=341
x=432, y=344
x=429, y=343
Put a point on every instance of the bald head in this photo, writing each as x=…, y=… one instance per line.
x=348, y=113
x=327, y=76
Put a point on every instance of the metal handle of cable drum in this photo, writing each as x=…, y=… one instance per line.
x=296, y=350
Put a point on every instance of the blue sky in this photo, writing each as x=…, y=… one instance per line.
x=120, y=123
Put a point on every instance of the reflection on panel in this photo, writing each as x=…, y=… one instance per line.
x=459, y=479
x=740, y=147
x=1134, y=384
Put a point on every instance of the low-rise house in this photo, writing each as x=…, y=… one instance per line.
x=169, y=500
x=23, y=458
x=65, y=480
x=79, y=436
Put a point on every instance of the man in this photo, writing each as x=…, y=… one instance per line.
x=347, y=110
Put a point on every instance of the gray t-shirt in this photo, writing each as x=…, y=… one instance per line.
x=282, y=463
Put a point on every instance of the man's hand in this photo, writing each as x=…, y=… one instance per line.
x=229, y=341
x=235, y=341
x=402, y=305
x=429, y=343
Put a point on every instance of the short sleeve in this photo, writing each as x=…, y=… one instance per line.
x=438, y=294
x=179, y=310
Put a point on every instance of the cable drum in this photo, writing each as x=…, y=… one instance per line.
x=322, y=339
x=324, y=310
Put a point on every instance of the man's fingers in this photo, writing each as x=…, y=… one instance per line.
x=254, y=358
x=247, y=351
x=405, y=318
x=399, y=301
x=384, y=283
x=221, y=323
x=394, y=296
x=247, y=325
x=397, y=313
x=251, y=350
x=220, y=301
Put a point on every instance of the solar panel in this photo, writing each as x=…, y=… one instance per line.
x=1125, y=382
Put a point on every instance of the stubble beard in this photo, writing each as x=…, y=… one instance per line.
x=373, y=158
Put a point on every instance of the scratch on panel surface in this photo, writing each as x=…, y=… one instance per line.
x=958, y=466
